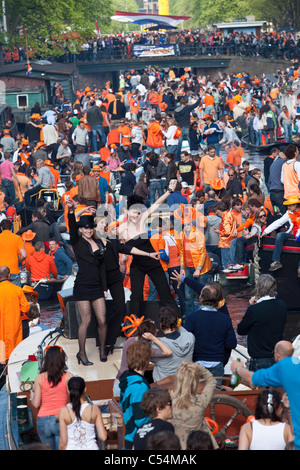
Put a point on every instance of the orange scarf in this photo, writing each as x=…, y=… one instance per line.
x=295, y=219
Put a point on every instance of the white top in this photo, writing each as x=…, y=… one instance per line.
x=267, y=437
x=81, y=434
x=169, y=135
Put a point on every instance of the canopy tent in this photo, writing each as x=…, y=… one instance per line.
x=147, y=18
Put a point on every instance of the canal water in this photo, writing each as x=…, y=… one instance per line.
x=237, y=295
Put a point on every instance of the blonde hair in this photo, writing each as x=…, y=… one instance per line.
x=187, y=381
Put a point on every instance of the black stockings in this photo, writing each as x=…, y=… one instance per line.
x=85, y=311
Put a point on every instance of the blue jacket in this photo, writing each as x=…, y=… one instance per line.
x=214, y=334
x=132, y=388
x=213, y=138
x=103, y=186
x=176, y=198
x=62, y=262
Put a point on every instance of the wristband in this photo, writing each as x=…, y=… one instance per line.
x=170, y=190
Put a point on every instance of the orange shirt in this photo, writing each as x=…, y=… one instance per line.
x=12, y=304
x=125, y=132
x=56, y=175
x=210, y=168
x=104, y=153
x=9, y=256
x=113, y=137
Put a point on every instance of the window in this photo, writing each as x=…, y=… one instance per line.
x=22, y=101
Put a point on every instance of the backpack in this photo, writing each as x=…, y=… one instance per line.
x=177, y=133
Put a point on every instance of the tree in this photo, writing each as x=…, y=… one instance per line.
x=46, y=21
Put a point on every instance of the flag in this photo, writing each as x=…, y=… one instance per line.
x=97, y=28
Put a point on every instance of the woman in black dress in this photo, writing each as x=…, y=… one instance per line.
x=135, y=234
x=114, y=277
x=90, y=287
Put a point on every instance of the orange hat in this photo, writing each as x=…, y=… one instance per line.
x=6, y=131
x=87, y=88
x=78, y=177
x=217, y=184
x=48, y=163
x=28, y=236
x=35, y=116
x=29, y=290
x=25, y=142
x=96, y=168
x=40, y=144
x=207, y=116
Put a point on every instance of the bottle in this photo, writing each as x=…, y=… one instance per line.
x=235, y=379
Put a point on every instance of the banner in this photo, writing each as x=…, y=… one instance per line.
x=155, y=50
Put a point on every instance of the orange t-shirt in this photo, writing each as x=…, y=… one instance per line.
x=9, y=256
x=113, y=137
x=104, y=153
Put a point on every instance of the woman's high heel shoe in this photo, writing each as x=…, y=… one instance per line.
x=80, y=360
x=109, y=349
x=103, y=355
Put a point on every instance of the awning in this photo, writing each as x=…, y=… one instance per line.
x=146, y=18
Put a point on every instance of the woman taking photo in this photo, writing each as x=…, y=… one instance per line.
x=90, y=287
x=50, y=394
x=134, y=233
x=79, y=421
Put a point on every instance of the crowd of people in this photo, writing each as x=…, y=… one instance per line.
x=163, y=149
x=185, y=42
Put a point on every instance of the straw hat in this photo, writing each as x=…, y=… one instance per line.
x=29, y=290
x=292, y=200
x=40, y=144
x=217, y=184
x=28, y=236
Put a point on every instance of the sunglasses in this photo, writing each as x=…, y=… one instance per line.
x=262, y=216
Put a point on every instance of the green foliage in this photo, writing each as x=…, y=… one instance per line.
x=44, y=20
x=208, y=12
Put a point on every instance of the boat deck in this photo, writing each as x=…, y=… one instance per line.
x=99, y=372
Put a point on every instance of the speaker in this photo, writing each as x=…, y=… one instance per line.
x=149, y=309
x=72, y=320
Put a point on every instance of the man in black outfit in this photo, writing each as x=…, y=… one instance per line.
x=263, y=323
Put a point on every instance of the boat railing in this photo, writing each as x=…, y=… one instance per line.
x=40, y=349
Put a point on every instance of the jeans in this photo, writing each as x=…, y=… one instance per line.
x=239, y=246
x=184, y=136
x=30, y=192
x=172, y=148
x=225, y=257
x=287, y=132
x=48, y=430
x=152, y=289
x=15, y=279
x=217, y=371
x=280, y=239
x=277, y=198
x=99, y=129
x=180, y=291
x=260, y=363
x=154, y=187
x=8, y=189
